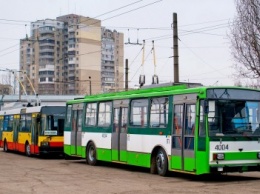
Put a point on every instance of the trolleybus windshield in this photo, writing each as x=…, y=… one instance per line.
x=233, y=117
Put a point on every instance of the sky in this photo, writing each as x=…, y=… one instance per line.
x=203, y=28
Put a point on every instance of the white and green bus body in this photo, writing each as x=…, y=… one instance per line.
x=192, y=130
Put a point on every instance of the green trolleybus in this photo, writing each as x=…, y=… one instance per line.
x=197, y=130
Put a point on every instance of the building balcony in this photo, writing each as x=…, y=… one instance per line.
x=46, y=57
x=71, y=68
x=46, y=50
x=46, y=37
x=71, y=29
x=72, y=61
x=44, y=43
x=71, y=74
x=46, y=30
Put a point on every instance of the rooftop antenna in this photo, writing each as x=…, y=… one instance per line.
x=155, y=78
x=142, y=76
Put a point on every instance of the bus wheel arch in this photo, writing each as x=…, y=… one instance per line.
x=27, y=149
x=5, y=147
x=91, y=154
x=159, y=161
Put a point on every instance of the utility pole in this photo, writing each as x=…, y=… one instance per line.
x=90, y=89
x=175, y=49
x=126, y=75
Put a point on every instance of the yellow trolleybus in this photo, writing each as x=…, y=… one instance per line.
x=33, y=130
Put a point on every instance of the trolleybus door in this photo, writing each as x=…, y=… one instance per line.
x=76, y=127
x=15, y=128
x=34, y=136
x=183, y=157
x=119, y=133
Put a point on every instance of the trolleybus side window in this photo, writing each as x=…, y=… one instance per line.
x=190, y=119
x=159, y=112
x=104, y=113
x=177, y=128
x=1, y=125
x=190, y=126
x=202, y=129
x=5, y=124
x=91, y=114
x=139, y=109
x=22, y=122
x=10, y=123
x=178, y=112
x=43, y=124
x=28, y=122
x=25, y=122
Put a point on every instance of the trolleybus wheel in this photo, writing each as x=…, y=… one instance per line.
x=5, y=146
x=27, y=150
x=91, y=154
x=153, y=169
x=161, y=162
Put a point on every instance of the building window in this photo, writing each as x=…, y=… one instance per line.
x=42, y=79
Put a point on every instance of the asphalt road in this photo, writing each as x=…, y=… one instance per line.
x=21, y=174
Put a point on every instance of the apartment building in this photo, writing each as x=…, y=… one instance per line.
x=68, y=56
x=112, y=68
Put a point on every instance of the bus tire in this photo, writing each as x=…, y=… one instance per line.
x=153, y=169
x=161, y=162
x=5, y=146
x=27, y=149
x=91, y=154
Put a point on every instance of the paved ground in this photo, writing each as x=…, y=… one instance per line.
x=20, y=174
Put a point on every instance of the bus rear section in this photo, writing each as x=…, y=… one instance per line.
x=34, y=130
x=233, y=130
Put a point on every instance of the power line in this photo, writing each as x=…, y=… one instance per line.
x=9, y=47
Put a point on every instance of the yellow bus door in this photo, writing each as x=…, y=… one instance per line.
x=15, y=131
x=34, y=136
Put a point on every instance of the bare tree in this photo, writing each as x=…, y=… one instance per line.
x=245, y=38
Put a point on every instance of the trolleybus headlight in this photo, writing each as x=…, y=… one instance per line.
x=218, y=156
x=44, y=143
x=258, y=155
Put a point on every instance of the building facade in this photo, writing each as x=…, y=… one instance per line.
x=112, y=68
x=68, y=56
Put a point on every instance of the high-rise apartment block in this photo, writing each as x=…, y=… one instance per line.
x=71, y=55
